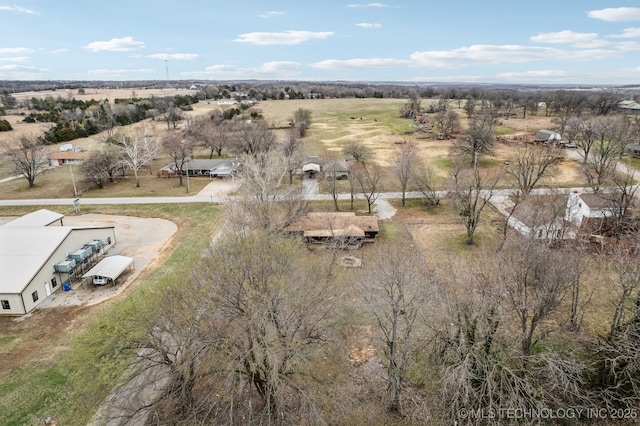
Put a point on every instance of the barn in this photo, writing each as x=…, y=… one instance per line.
x=38, y=254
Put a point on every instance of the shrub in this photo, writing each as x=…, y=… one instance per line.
x=5, y=126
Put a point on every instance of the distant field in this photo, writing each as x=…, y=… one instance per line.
x=335, y=123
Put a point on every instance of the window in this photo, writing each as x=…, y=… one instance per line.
x=5, y=304
x=34, y=295
x=54, y=282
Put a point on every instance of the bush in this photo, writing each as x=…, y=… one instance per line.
x=5, y=126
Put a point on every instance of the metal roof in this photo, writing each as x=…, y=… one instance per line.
x=110, y=267
x=24, y=251
x=41, y=217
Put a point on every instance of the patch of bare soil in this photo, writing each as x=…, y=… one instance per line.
x=40, y=336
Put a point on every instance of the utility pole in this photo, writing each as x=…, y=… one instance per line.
x=75, y=190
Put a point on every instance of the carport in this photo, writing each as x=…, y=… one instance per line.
x=109, y=269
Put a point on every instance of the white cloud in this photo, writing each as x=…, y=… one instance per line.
x=368, y=25
x=360, y=63
x=271, y=70
x=627, y=33
x=124, y=44
x=176, y=56
x=271, y=14
x=4, y=50
x=284, y=38
x=538, y=75
x=21, y=72
x=357, y=6
x=500, y=54
x=564, y=37
x=56, y=51
x=616, y=14
x=16, y=8
x=14, y=59
x=106, y=71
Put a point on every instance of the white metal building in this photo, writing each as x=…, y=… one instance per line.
x=30, y=247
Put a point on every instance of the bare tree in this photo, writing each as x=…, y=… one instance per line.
x=270, y=205
x=301, y=121
x=28, y=157
x=331, y=180
x=358, y=151
x=213, y=134
x=586, y=136
x=252, y=138
x=368, y=182
x=394, y=290
x=602, y=164
x=411, y=108
x=471, y=194
x=478, y=140
x=531, y=164
x=103, y=165
x=179, y=148
x=277, y=310
x=535, y=281
x=616, y=370
x=447, y=122
x=293, y=151
x=138, y=151
x=404, y=166
x=423, y=181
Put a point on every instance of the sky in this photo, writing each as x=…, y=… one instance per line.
x=464, y=41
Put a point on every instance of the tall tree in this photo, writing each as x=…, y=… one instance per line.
x=138, y=151
x=367, y=179
x=472, y=192
x=270, y=203
x=478, y=139
x=404, y=166
x=179, y=148
x=28, y=157
x=252, y=138
x=394, y=290
x=531, y=164
x=301, y=121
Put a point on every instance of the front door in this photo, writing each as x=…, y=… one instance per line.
x=47, y=289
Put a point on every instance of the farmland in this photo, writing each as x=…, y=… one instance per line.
x=71, y=368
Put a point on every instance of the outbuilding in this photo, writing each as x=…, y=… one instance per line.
x=109, y=269
x=30, y=249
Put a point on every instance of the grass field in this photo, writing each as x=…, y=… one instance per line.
x=82, y=360
x=66, y=381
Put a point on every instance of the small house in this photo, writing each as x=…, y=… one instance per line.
x=344, y=228
x=540, y=218
x=203, y=167
x=61, y=158
x=338, y=169
x=587, y=211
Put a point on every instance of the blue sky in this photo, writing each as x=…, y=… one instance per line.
x=474, y=41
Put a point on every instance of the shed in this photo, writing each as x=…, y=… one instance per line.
x=109, y=269
x=547, y=136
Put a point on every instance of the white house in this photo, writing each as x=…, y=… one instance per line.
x=582, y=207
x=36, y=255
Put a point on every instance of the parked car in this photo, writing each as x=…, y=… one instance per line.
x=570, y=145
